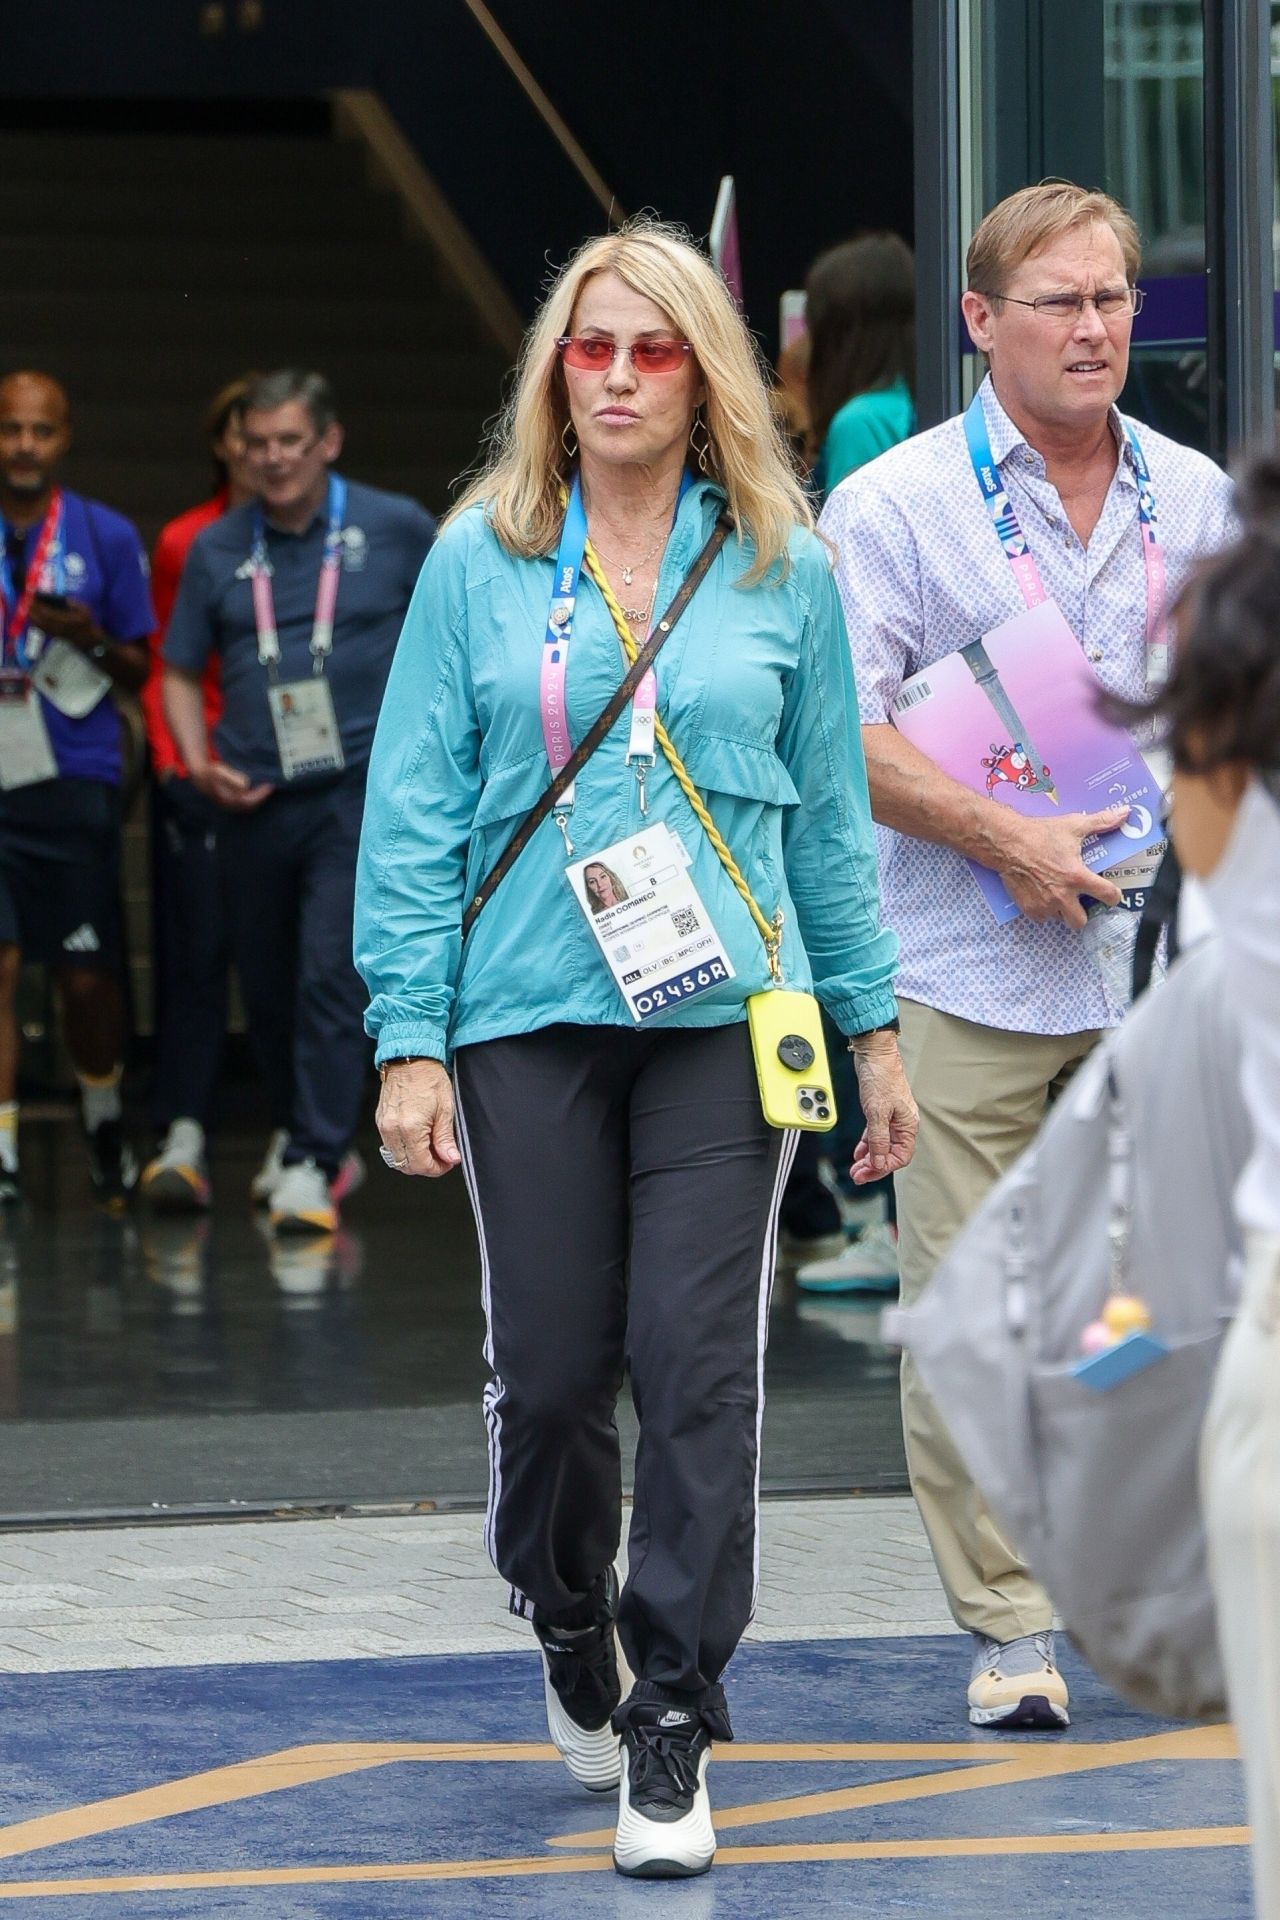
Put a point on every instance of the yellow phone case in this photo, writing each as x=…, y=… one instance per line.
x=791, y=1060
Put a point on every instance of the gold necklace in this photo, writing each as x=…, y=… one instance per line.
x=628, y=573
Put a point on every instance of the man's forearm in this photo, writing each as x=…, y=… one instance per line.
x=124, y=662
x=912, y=795
x=184, y=710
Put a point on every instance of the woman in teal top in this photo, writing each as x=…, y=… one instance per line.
x=624, y=1181
x=860, y=311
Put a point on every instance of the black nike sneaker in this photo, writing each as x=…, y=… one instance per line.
x=664, y=1815
x=113, y=1166
x=582, y=1687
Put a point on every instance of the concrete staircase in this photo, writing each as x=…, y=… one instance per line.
x=144, y=269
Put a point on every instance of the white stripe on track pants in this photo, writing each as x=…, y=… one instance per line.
x=626, y=1191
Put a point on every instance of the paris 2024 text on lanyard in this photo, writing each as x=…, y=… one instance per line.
x=302, y=712
x=654, y=933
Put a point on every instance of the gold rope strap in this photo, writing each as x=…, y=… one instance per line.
x=770, y=931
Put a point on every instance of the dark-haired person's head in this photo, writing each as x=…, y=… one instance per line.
x=292, y=437
x=224, y=431
x=860, y=307
x=1222, y=700
x=1220, y=709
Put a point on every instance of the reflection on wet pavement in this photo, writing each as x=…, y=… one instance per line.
x=190, y=1331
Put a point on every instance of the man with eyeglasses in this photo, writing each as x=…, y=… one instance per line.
x=1042, y=491
x=302, y=593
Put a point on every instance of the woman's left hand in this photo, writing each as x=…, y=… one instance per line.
x=892, y=1120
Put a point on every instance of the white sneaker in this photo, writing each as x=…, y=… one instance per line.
x=859, y=1210
x=804, y=1249
x=582, y=1679
x=301, y=1201
x=177, y=1180
x=664, y=1814
x=350, y=1176
x=867, y=1265
x=263, y=1184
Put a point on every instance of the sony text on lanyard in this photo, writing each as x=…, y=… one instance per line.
x=555, y=664
x=1008, y=528
x=264, y=607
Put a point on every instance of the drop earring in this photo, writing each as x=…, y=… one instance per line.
x=700, y=449
x=571, y=452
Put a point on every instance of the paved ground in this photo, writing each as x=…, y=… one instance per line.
x=336, y=1720
x=336, y=1589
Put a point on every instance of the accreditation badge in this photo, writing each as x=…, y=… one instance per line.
x=656, y=936
x=306, y=725
x=26, y=755
x=67, y=678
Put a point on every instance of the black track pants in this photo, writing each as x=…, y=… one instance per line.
x=626, y=1193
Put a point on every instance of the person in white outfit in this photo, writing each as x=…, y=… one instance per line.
x=1222, y=710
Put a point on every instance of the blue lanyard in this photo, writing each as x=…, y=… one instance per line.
x=264, y=612
x=1009, y=532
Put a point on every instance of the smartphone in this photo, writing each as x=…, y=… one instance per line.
x=57, y=601
x=791, y=1060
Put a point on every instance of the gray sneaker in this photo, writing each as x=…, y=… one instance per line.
x=1017, y=1685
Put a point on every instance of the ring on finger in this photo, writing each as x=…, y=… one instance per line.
x=389, y=1159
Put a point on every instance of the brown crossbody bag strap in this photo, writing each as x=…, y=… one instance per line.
x=601, y=727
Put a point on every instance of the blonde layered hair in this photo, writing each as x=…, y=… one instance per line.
x=1027, y=220
x=527, y=465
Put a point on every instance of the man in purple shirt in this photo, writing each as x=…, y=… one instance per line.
x=75, y=620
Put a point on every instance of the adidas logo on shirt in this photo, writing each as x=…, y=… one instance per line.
x=83, y=940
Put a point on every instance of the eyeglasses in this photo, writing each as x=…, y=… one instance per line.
x=594, y=355
x=1069, y=306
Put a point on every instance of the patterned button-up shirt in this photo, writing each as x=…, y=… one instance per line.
x=922, y=573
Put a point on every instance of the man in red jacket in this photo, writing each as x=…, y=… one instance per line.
x=191, y=956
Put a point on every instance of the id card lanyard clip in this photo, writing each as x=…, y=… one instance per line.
x=264, y=610
x=1017, y=552
x=641, y=747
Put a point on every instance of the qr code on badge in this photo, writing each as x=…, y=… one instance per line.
x=685, y=919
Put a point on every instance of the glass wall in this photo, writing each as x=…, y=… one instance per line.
x=1165, y=104
x=1154, y=163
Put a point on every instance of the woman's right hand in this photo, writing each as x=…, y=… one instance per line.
x=415, y=1118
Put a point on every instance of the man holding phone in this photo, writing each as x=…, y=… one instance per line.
x=76, y=615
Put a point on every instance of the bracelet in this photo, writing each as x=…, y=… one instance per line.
x=886, y=1026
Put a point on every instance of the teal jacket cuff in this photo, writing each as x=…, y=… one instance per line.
x=411, y=1041
x=868, y=1010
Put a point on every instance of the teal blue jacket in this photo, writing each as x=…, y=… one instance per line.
x=756, y=688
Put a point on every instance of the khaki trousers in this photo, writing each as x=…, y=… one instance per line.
x=982, y=1094
x=1240, y=1481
